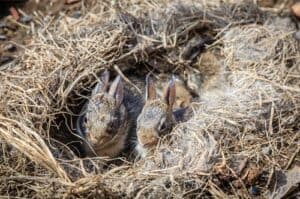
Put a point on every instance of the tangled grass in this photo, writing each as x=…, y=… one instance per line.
x=245, y=125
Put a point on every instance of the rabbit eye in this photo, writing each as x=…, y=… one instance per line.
x=162, y=126
x=113, y=125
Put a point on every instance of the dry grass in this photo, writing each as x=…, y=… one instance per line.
x=245, y=126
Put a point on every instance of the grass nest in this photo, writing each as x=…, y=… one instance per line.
x=245, y=123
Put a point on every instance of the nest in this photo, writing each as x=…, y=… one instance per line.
x=245, y=123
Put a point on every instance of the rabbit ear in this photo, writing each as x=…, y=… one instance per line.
x=102, y=85
x=150, y=89
x=171, y=93
x=117, y=90
x=97, y=89
x=105, y=79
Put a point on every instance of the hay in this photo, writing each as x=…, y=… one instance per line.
x=245, y=124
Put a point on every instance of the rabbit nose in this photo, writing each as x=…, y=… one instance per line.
x=103, y=140
x=91, y=138
x=148, y=140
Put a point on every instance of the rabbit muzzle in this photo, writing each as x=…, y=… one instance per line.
x=91, y=139
x=96, y=140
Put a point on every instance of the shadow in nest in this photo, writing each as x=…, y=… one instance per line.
x=5, y=6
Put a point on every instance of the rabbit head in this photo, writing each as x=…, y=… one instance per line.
x=156, y=118
x=106, y=115
x=183, y=96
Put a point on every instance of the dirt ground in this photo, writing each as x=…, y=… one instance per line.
x=15, y=29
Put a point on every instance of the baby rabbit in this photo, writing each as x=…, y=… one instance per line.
x=106, y=125
x=156, y=118
x=183, y=96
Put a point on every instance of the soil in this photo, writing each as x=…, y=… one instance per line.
x=16, y=21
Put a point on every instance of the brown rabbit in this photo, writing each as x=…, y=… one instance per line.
x=156, y=118
x=183, y=96
x=109, y=117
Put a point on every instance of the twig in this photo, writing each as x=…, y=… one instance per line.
x=292, y=159
x=270, y=178
x=126, y=79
